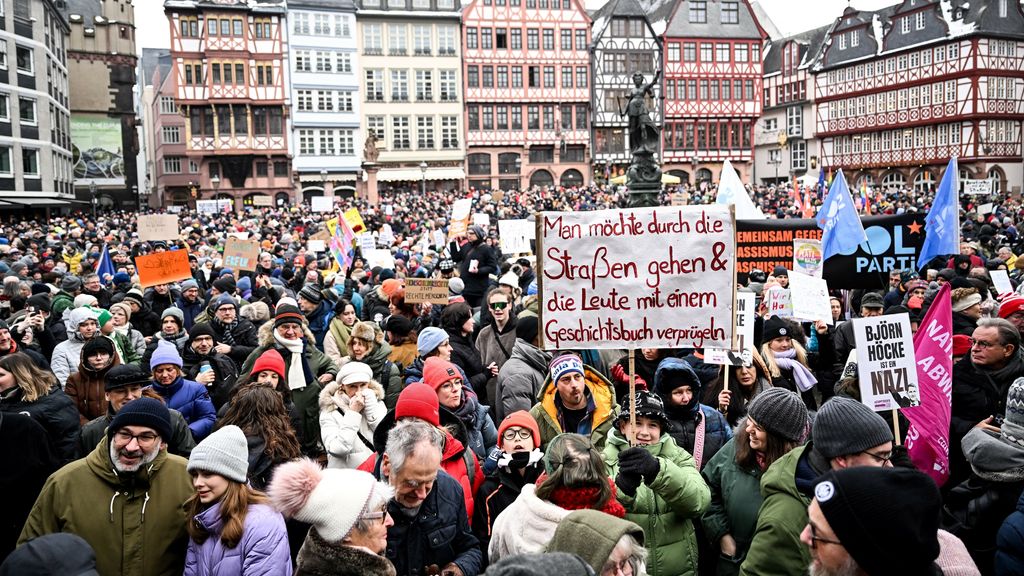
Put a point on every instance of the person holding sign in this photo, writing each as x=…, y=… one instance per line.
x=659, y=485
x=745, y=381
x=575, y=398
x=476, y=262
x=789, y=364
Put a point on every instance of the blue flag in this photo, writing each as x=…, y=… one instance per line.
x=942, y=224
x=820, y=190
x=838, y=218
x=104, y=266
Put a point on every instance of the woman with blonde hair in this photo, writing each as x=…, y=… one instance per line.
x=789, y=364
x=233, y=529
x=26, y=388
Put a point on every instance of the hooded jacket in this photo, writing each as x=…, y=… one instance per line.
x=87, y=388
x=526, y=526
x=263, y=548
x=672, y=373
x=189, y=310
x=55, y=411
x=735, y=502
x=134, y=522
x=193, y=401
x=67, y=356
x=601, y=401
x=520, y=379
x=384, y=371
x=667, y=507
x=345, y=432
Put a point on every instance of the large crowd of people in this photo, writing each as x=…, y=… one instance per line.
x=306, y=418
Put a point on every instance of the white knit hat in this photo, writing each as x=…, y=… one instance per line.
x=225, y=452
x=331, y=500
x=354, y=372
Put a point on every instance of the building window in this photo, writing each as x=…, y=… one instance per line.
x=30, y=162
x=479, y=164
x=307, y=142
x=446, y=85
x=730, y=12
x=798, y=155
x=449, y=132
x=919, y=21
x=516, y=39
x=549, y=76
x=264, y=74
x=167, y=105
x=471, y=39
x=400, y=133
x=549, y=39
x=581, y=77
x=324, y=61
x=399, y=86
x=473, y=76
x=304, y=100
x=488, y=77
x=421, y=40
x=855, y=38
x=26, y=64
x=721, y=52
x=303, y=61
x=425, y=132
x=324, y=101
x=189, y=26
x=172, y=164
x=707, y=53
x=689, y=52
x=545, y=154
x=5, y=161
x=27, y=110
x=397, y=39
x=581, y=39
x=375, y=126
x=424, y=86
x=446, y=40
x=698, y=12
x=794, y=121
x=170, y=135
x=300, y=23
x=374, y=86
x=566, y=40
x=344, y=101
x=905, y=25
x=327, y=147
x=261, y=28
x=373, y=39
x=533, y=39
x=473, y=115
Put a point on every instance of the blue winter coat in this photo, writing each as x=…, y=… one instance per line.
x=320, y=322
x=263, y=548
x=189, y=311
x=193, y=401
x=1010, y=544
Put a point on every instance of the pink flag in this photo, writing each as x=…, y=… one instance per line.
x=928, y=435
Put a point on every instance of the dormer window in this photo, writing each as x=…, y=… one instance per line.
x=842, y=41
x=855, y=38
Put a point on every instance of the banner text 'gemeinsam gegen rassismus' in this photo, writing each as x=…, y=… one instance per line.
x=638, y=278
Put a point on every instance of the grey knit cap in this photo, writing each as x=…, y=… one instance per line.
x=224, y=452
x=781, y=412
x=844, y=426
x=70, y=283
x=175, y=313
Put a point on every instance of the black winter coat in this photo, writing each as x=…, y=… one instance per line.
x=976, y=396
x=497, y=493
x=246, y=339
x=146, y=321
x=223, y=367
x=56, y=412
x=487, y=264
x=465, y=356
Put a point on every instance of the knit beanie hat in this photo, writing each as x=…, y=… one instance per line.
x=98, y=344
x=527, y=328
x=135, y=295
x=648, y=405
x=148, y=412
x=775, y=327
x=225, y=284
x=225, y=452
x=541, y=564
x=59, y=553
x=780, y=412
x=165, y=353
x=189, y=284
x=40, y=302
x=269, y=360
x=417, y=400
x=429, y=339
x=966, y=301
x=223, y=300
x=123, y=307
x=856, y=503
x=201, y=329
x=1010, y=303
x=592, y=535
x=70, y=283
x=437, y=371
x=479, y=231
x=1014, y=433
x=354, y=373
x=121, y=278
x=288, y=313
x=102, y=316
x=332, y=500
x=312, y=293
x=124, y=375
x=84, y=300
x=523, y=419
x=565, y=364
x=398, y=325
x=962, y=344
x=176, y=313
x=844, y=426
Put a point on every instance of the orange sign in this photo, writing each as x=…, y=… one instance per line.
x=163, y=267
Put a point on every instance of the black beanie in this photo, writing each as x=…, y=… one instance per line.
x=288, y=314
x=202, y=329
x=148, y=412
x=124, y=375
x=776, y=327
x=225, y=284
x=97, y=344
x=858, y=504
x=527, y=328
x=39, y=302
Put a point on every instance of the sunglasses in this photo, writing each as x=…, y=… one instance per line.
x=499, y=305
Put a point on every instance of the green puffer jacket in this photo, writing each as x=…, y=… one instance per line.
x=134, y=522
x=545, y=411
x=776, y=549
x=735, y=501
x=667, y=508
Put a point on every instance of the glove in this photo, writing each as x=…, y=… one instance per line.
x=628, y=483
x=619, y=374
x=640, y=462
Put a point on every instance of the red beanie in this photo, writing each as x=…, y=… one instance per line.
x=437, y=371
x=1010, y=303
x=269, y=360
x=961, y=344
x=418, y=400
x=523, y=419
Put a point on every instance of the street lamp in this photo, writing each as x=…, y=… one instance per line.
x=519, y=172
x=92, y=197
x=423, y=171
x=695, y=160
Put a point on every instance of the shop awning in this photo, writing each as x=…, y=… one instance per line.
x=415, y=175
x=332, y=177
x=35, y=201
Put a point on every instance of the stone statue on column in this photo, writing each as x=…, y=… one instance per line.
x=644, y=175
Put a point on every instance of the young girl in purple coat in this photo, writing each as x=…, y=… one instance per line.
x=234, y=531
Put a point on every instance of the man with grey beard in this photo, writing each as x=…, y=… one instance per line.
x=124, y=498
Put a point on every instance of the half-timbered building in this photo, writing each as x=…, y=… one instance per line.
x=527, y=84
x=231, y=72
x=901, y=90
x=713, y=75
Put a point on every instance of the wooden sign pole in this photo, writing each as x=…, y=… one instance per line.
x=632, y=396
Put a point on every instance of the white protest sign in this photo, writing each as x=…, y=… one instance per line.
x=207, y=206
x=515, y=235
x=986, y=208
x=809, y=296
x=157, y=227
x=366, y=243
x=322, y=204
x=386, y=236
x=317, y=246
x=744, y=335
x=638, y=278
x=779, y=302
x=977, y=187
x=1001, y=280
x=379, y=257
x=439, y=239
x=481, y=219
x=885, y=362
x=808, y=257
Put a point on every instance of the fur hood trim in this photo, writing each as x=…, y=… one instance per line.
x=327, y=394
x=266, y=334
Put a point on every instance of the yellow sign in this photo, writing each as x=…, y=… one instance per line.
x=355, y=221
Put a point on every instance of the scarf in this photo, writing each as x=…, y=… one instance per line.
x=519, y=460
x=228, y=337
x=1001, y=378
x=584, y=498
x=468, y=410
x=787, y=361
x=297, y=370
x=123, y=330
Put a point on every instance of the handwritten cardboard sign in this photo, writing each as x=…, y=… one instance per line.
x=809, y=297
x=163, y=267
x=321, y=235
x=779, y=302
x=241, y=254
x=1001, y=281
x=886, y=362
x=432, y=290
x=638, y=278
x=977, y=187
x=740, y=355
x=157, y=227
x=515, y=235
x=459, y=223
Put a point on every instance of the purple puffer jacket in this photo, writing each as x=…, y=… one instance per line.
x=262, y=550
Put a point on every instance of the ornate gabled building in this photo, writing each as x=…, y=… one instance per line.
x=712, y=87
x=624, y=44
x=527, y=81
x=230, y=67
x=901, y=90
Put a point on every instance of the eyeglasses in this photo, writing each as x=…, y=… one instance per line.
x=815, y=538
x=983, y=344
x=126, y=437
x=381, y=514
x=498, y=305
x=512, y=434
x=882, y=459
x=612, y=568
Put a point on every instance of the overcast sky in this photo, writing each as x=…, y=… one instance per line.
x=789, y=16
